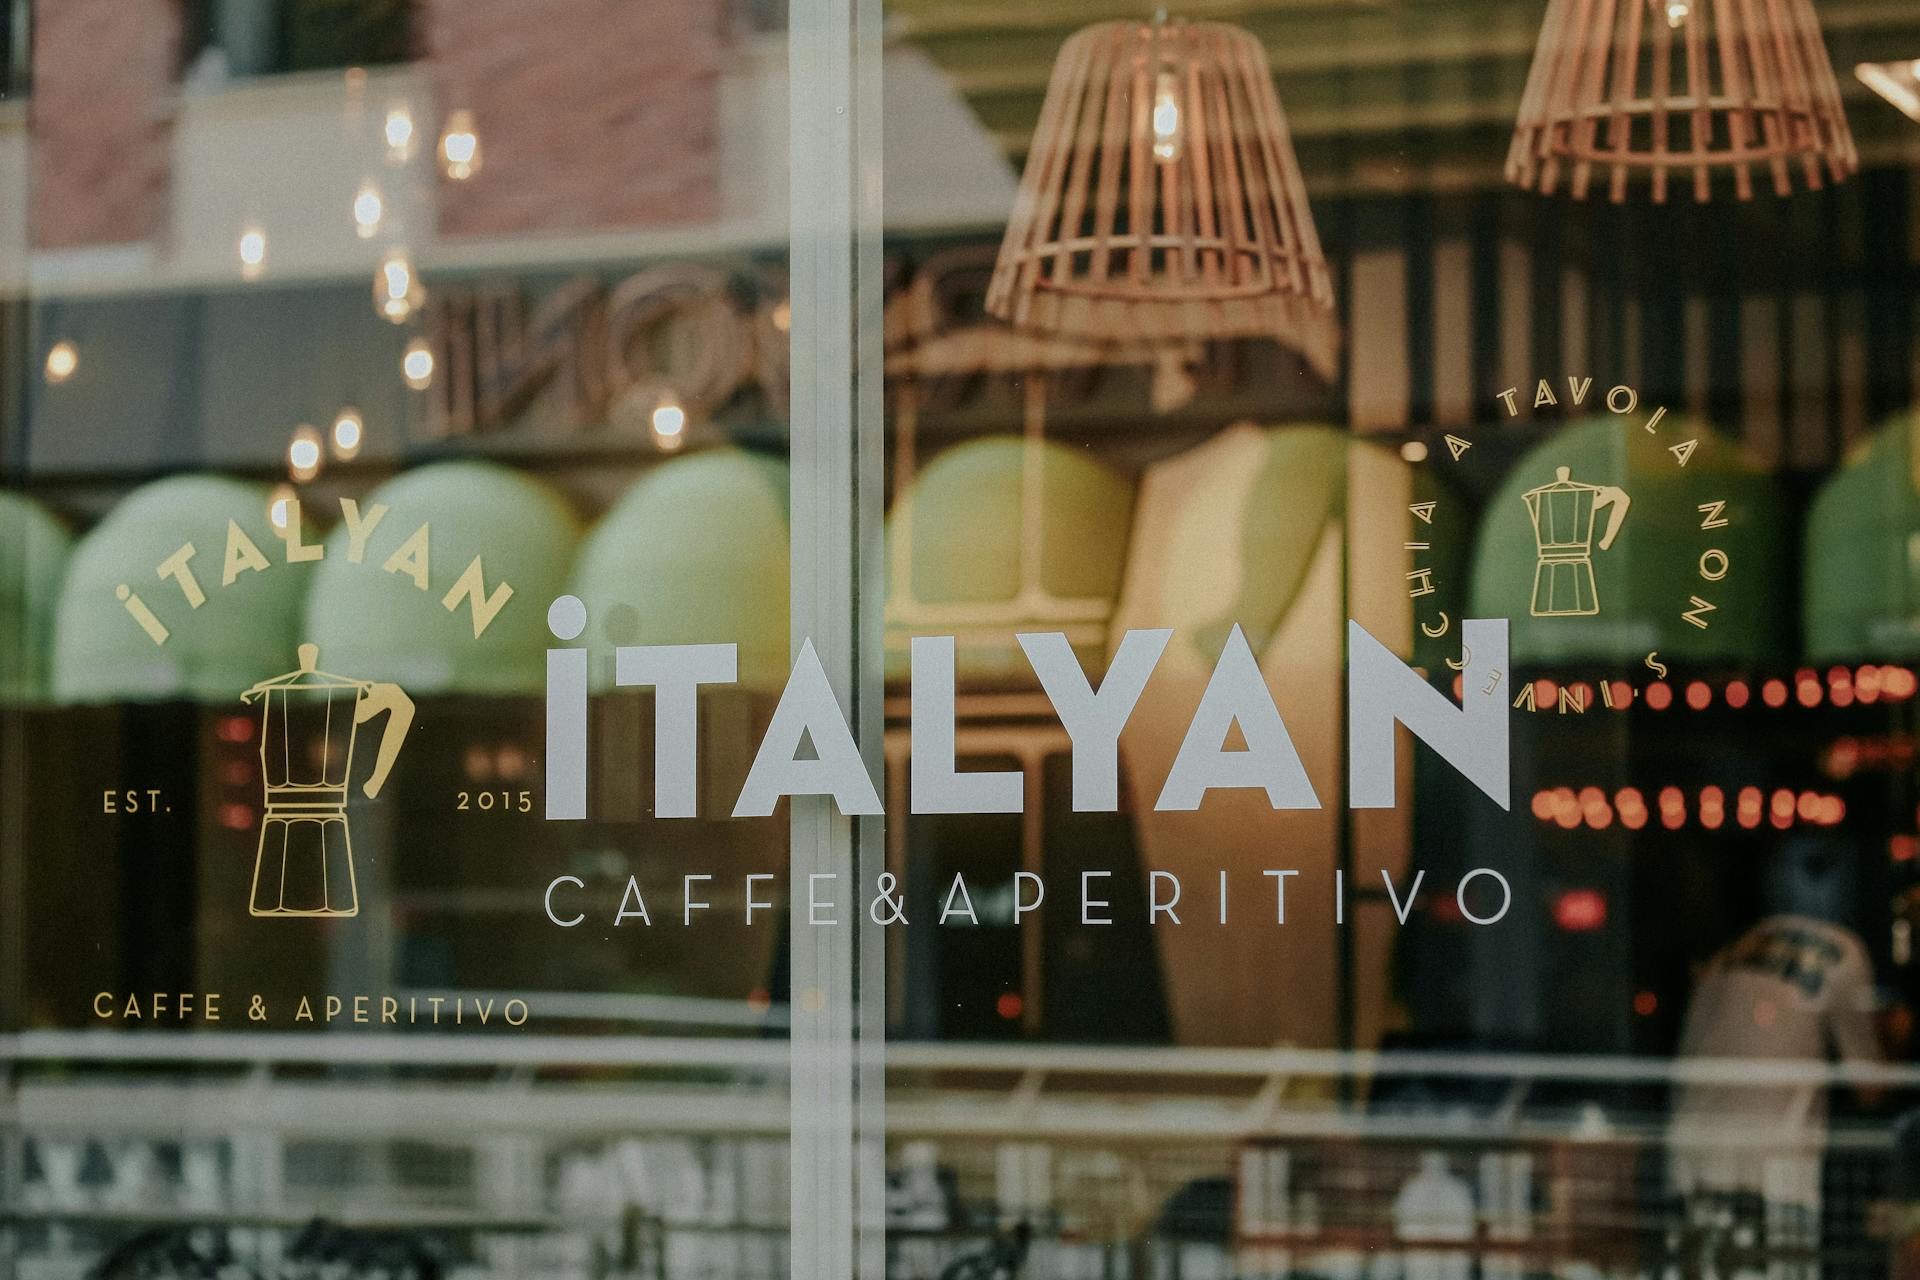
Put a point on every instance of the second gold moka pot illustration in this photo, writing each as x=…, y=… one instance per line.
x=308, y=722
x=1563, y=515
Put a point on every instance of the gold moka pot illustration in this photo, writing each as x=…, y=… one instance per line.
x=1563, y=514
x=308, y=721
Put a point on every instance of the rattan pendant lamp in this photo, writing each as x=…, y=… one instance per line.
x=1162, y=199
x=1621, y=88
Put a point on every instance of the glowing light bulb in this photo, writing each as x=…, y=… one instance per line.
x=348, y=432
x=277, y=505
x=417, y=365
x=783, y=315
x=62, y=360
x=1166, y=118
x=396, y=290
x=368, y=208
x=669, y=422
x=303, y=453
x=460, y=147
x=253, y=253
x=399, y=131
x=1414, y=451
x=1677, y=13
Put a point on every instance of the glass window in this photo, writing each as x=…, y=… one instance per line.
x=927, y=639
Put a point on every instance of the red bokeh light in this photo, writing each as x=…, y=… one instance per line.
x=1737, y=694
x=1659, y=696
x=1009, y=1006
x=1774, y=693
x=1699, y=695
x=1713, y=808
x=1580, y=910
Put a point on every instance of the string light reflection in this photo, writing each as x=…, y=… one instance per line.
x=399, y=132
x=368, y=209
x=253, y=253
x=460, y=147
x=348, y=432
x=417, y=365
x=303, y=453
x=1593, y=809
x=62, y=359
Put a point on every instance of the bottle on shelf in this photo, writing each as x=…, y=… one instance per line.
x=1435, y=1205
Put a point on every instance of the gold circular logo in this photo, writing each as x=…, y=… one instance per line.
x=1614, y=471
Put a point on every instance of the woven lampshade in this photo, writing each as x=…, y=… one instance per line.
x=1162, y=199
x=1659, y=87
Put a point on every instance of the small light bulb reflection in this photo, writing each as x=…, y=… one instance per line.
x=1166, y=118
x=783, y=315
x=368, y=208
x=62, y=359
x=1414, y=451
x=253, y=253
x=399, y=130
x=460, y=147
x=303, y=453
x=396, y=290
x=669, y=423
x=1677, y=13
x=277, y=505
x=417, y=365
x=348, y=432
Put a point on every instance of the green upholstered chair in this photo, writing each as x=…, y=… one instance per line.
x=242, y=631
x=1860, y=579
x=695, y=552
x=34, y=547
x=379, y=625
